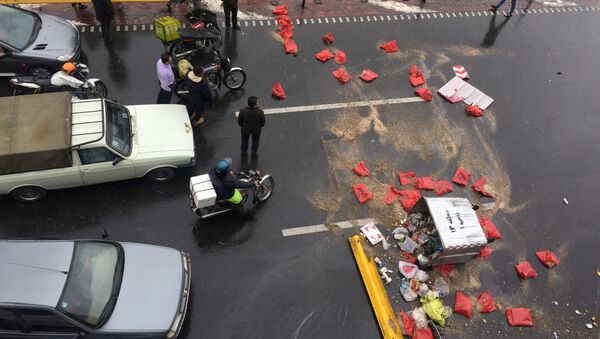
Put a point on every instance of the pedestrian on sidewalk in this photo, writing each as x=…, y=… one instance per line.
x=166, y=79
x=105, y=14
x=199, y=94
x=251, y=119
x=495, y=7
x=230, y=7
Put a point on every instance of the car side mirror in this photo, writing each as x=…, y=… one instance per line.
x=117, y=160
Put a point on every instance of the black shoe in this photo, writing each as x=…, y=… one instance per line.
x=493, y=8
x=228, y=27
x=237, y=27
x=508, y=15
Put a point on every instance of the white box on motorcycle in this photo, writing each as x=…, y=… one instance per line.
x=202, y=191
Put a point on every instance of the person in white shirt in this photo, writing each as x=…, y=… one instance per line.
x=65, y=77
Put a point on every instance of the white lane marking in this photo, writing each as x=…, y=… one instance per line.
x=288, y=232
x=92, y=29
x=454, y=14
x=401, y=17
x=83, y=29
x=395, y=17
x=261, y=23
x=304, y=21
x=333, y=20
x=135, y=27
x=428, y=17
x=319, y=20
x=253, y=23
x=485, y=13
x=388, y=17
x=326, y=20
x=151, y=27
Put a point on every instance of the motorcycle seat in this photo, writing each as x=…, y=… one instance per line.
x=201, y=33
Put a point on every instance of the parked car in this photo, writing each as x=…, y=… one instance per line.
x=53, y=140
x=92, y=289
x=35, y=43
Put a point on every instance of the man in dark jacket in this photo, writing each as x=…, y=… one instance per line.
x=105, y=14
x=251, y=119
x=230, y=7
x=226, y=184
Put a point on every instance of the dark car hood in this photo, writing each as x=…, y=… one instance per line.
x=57, y=34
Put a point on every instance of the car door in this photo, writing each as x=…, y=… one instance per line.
x=44, y=323
x=100, y=165
x=9, y=63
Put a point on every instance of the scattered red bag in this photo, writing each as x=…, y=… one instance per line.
x=277, y=91
x=445, y=269
x=407, y=178
x=284, y=20
x=490, y=230
x=462, y=304
x=341, y=75
x=361, y=170
x=362, y=193
x=547, y=258
x=416, y=81
x=424, y=93
x=409, y=199
x=287, y=33
x=424, y=333
x=408, y=257
x=415, y=71
x=390, y=47
x=425, y=183
x=285, y=27
x=340, y=57
x=487, y=302
x=484, y=253
x=290, y=47
x=328, y=38
x=390, y=196
x=519, y=316
x=409, y=323
x=280, y=10
x=474, y=110
x=442, y=187
x=368, y=75
x=479, y=186
x=324, y=55
x=525, y=270
x=461, y=176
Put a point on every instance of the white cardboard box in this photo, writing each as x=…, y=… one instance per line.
x=202, y=191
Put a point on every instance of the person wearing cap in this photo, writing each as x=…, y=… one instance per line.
x=166, y=79
x=226, y=184
x=65, y=77
x=199, y=94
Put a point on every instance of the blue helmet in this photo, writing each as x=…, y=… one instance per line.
x=222, y=166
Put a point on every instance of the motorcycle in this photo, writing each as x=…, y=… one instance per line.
x=35, y=85
x=203, y=31
x=220, y=71
x=262, y=193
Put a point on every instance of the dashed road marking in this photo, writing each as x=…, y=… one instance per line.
x=289, y=232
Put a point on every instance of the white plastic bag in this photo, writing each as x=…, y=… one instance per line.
x=407, y=269
x=441, y=286
x=421, y=276
x=406, y=292
x=420, y=317
x=409, y=245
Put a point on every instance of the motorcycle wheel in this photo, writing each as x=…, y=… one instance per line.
x=235, y=79
x=264, y=191
x=101, y=89
x=181, y=89
x=176, y=49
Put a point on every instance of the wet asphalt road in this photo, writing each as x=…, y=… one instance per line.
x=540, y=135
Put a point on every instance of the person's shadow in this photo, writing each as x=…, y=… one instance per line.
x=493, y=31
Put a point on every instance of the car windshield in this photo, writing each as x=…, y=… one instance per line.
x=92, y=282
x=17, y=27
x=118, y=128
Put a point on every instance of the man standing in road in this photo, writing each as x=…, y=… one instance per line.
x=166, y=79
x=251, y=120
x=230, y=7
x=105, y=14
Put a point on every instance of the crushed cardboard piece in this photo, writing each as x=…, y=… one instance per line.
x=468, y=93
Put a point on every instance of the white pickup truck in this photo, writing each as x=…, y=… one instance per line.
x=53, y=141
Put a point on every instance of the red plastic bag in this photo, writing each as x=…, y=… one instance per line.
x=442, y=187
x=277, y=91
x=416, y=81
x=341, y=75
x=445, y=269
x=519, y=316
x=415, y=71
x=490, y=230
x=390, y=47
x=280, y=10
x=547, y=258
x=462, y=304
x=368, y=75
x=324, y=55
x=484, y=253
x=407, y=178
x=474, y=110
x=408, y=257
x=328, y=38
x=340, y=57
x=425, y=183
x=362, y=193
x=409, y=323
x=479, y=186
x=290, y=47
x=361, y=170
x=390, y=196
x=525, y=270
x=424, y=333
x=424, y=93
x=287, y=33
x=461, y=176
x=487, y=302
x=409, y=199
x=284, y=20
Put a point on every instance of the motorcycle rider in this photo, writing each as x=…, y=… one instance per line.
x=65, y=76
x=226, y=184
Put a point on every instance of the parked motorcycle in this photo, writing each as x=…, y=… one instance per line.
x=203, y=31
x=262, y=193
x=35, y=85
x=220, y=71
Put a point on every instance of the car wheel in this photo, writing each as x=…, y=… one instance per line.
x=40, y=71
x=161, y=174
x=29, y=193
